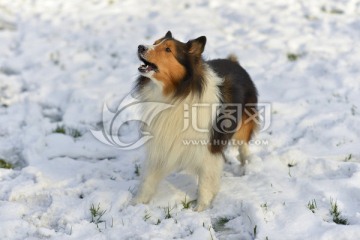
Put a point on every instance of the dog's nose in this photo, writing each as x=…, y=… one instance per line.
x=141, y=48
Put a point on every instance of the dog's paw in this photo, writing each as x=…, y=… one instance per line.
x=133, y=202
x=201, y=207
x=241, y=171
x=139, y=200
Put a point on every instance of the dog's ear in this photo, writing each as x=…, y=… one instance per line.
x=196, y=46
x=168, y=35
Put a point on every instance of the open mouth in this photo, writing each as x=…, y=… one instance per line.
x=147, y=66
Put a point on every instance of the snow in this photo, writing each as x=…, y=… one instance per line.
x=60, y=61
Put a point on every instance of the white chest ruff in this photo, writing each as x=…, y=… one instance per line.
x=174, y=128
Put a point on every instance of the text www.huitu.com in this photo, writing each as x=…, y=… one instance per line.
x=231, y=142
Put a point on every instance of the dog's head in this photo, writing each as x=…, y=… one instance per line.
x=169, y=62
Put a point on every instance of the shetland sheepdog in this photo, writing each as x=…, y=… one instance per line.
x=216, y=97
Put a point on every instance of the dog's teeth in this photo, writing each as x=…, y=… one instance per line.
x=145, y=67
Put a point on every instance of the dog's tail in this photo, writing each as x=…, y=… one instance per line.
x=233, y=58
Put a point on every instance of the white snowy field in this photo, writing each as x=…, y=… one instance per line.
x=60, y=61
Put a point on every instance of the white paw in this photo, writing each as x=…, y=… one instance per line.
x=133, y=202
x=201, y=207
x=140, y=200
x=241, y=170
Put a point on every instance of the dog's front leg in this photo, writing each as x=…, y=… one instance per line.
x=209, y=180
x=149, y=184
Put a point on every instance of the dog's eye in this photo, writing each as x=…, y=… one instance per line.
x=168, y=49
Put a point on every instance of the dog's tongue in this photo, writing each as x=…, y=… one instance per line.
x=145, y=68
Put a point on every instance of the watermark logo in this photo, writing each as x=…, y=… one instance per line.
x=129, y=109
x=228, y=117
x=225, y=119
x=260, y=113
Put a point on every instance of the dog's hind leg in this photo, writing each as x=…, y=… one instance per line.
x=243, y=135
x=244, y=154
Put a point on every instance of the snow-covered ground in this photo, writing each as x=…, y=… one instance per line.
x=60, y=61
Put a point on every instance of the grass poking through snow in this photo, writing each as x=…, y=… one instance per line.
x=60, y=129
x=187, y=204
x=290, y=165
x=6, y=165
x=331, y=10
x=96, y=215
x=264, y=206
x=137, y=170
x=312, y=205
x=348, y=158
x=74, y=132
x=219, y=224
x=292, y=57
x=167, y=212
x=68, y=131
x=147, y=216
x=336, y=214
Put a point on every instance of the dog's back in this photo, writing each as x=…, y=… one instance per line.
x=237, y=88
